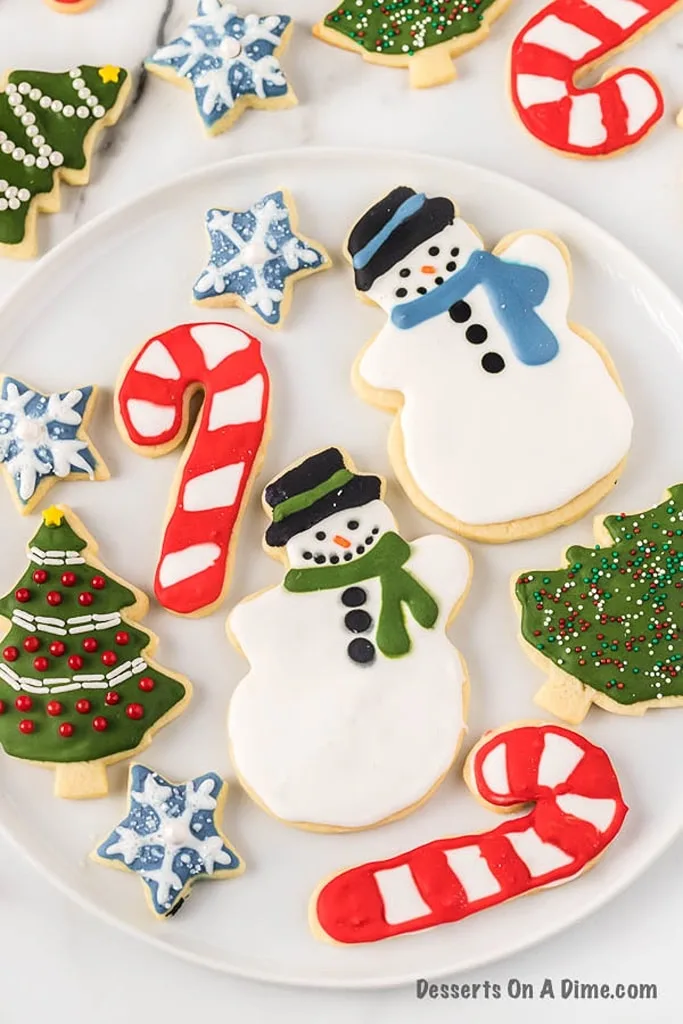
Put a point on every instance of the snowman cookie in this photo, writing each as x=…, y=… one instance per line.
x=355, y=703
x=510, y=421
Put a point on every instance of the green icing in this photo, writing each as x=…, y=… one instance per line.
x=402, y=28
x=86, y=743
x=399, y=587
x=63, y=134
x=613, y=618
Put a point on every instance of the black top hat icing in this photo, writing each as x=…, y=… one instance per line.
x=392, y=228
x=313, y=490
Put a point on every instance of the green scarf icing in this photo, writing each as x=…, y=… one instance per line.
x=613, y=618
x=384, y=562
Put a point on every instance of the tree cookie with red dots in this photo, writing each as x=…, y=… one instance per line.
x=606, y=628
x=78, y=687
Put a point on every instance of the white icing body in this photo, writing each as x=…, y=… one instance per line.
x=320, y=740
x=490, y=448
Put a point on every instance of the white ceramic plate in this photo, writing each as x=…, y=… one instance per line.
x=127, y=276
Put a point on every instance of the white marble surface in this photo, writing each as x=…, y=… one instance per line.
x=61, y=964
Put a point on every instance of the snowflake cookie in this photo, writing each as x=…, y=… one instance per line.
x=256, y=256
x=231, y=62
x=43, y=439
x=170, y=837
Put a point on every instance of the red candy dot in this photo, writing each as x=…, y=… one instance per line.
x=135, y=711
x=108, y=658
x=26, y=726
x=40, y=576
x=83, y=706
x=23, y=594
x=146, y=684
x=54, y=597
x=3, y=707
x=10, y=653
x=31, y=644
x=86, y=598
x=41, y=664
x=23, y=703
x=66, y=729
x=90, y=644
x=112, y=698
x=98, y=582
x=53, y=707
x=122, y=637
x=75, y=661
x=57, y=648
x=68, y=579
x=100, y=723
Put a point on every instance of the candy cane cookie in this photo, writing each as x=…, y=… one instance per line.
x=578, y=810
x=569, y=38
x=222, y=456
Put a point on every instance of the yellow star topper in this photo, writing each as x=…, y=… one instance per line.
x=109, y=73
x=53, y=516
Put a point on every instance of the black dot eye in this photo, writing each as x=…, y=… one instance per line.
x=352, y=524
x=493, y=363
x=455, y=251
x=421, y=291
x=320, y=535
x=476, y=334
x=334, y=559
x=451, y=266
x=460, y=312
x=307, y=555
x=319, y=559
x=438, y=280
x=401, y=293
x=375, y=530
x=348, y=556
x=404, y=272
x=433, y=250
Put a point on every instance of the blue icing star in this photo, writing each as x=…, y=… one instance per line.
x=170, y=837
x=253, y=252
x=41, y=435
x=227, y=58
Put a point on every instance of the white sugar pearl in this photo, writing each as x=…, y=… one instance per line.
x=78, y=83
x=75, y=73
x=10, y=88
x=29, y=160
x=35, y=94
x=3, y=136
x=14, y=204
x=45, y=150
x=24, y=195
x=99, y=111
x=56, y=159
x=56, y=105
x=83, y=112
x=42, y=162
x=14, y=99
x=92, y=100
x=230, y=48
x=32, y=130
x=18, y=153
x=45, y=102
x=83, y=93
x=24, y=88
x=12, y=191
x=28, y=118
x=7, y=146
x=3, y=184
x=68, y=111
x=38, y=140
x=19, y=110
x=3, y=204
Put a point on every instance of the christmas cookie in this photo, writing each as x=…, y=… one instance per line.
x=78, y=687
x=230, y=62
x=171, y=837
x=487, y=379
x=421, y=35
x=569, y=38
x=256, y=256
x=70, y=6
x=355, y=703
x=578, y=811
x=605, y=628
x=49, y=124
x=222, y=455
x=43, y=439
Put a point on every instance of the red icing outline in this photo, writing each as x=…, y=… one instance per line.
x=349, y=907
x=549, y=122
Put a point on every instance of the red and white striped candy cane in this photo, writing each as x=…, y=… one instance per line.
x=222, y=456
x=571, y=36
x=578, y=812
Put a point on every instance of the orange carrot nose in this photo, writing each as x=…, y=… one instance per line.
x=428, y=269
x=341, y=541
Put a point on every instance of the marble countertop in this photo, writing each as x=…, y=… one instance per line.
x=61, y=962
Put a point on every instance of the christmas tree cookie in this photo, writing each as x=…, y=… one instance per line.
x=78, y=687
x=230, y=62
x=171, y=837
x=49, y=124
x=607, y=628
x=509, y=419
x=421, y=35
x=355, y=703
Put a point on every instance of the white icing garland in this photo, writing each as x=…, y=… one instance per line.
x=41, y=557
x=64, y=627
x=80, y=681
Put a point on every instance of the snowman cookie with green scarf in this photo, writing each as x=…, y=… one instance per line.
x=354, y=706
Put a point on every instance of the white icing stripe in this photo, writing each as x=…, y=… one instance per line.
x=539, y=857
x=561, y=37
x=216, y=489
x=623, y=13
x=218, y=341
x=241, y=404
x=158, y=361
x=586, y=127
x=495, y=771
x=473, y=872
x=558, y=760
x=533, y=89
x=400, y=895
x=640, y=100
x=181, y=565
x=149, y=419
x=599, y=812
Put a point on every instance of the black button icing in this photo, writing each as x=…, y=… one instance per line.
x=354, y=597
x=493, y=363
x=476, y=334
x=361, y=651
x=357, y=621
x=460, y=312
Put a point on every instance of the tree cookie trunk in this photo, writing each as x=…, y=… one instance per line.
x=432, y=66
x=81, y=780
x=565, y=697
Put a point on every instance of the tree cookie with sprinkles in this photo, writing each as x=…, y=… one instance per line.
x=78, y=687
x=256, y=256
x=509, y=420
x=49, y=125
x=607, y=628
x=422, y=35
x=230, y=62
x=349, y=655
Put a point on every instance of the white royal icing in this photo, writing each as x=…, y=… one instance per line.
x=400, y=895
x=495, y=770
x=241, y=404
x=639, y=99
x=558, y=759
x=218, y=341
x=157, y=360
x=180, y=565
x=150, y=419
x=473, y=872
x=215, y=489
x=540, y=857
x=562, y=37
x=599, y=812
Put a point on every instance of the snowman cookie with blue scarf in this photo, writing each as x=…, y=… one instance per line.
x=509, y=420
x=354, y=706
